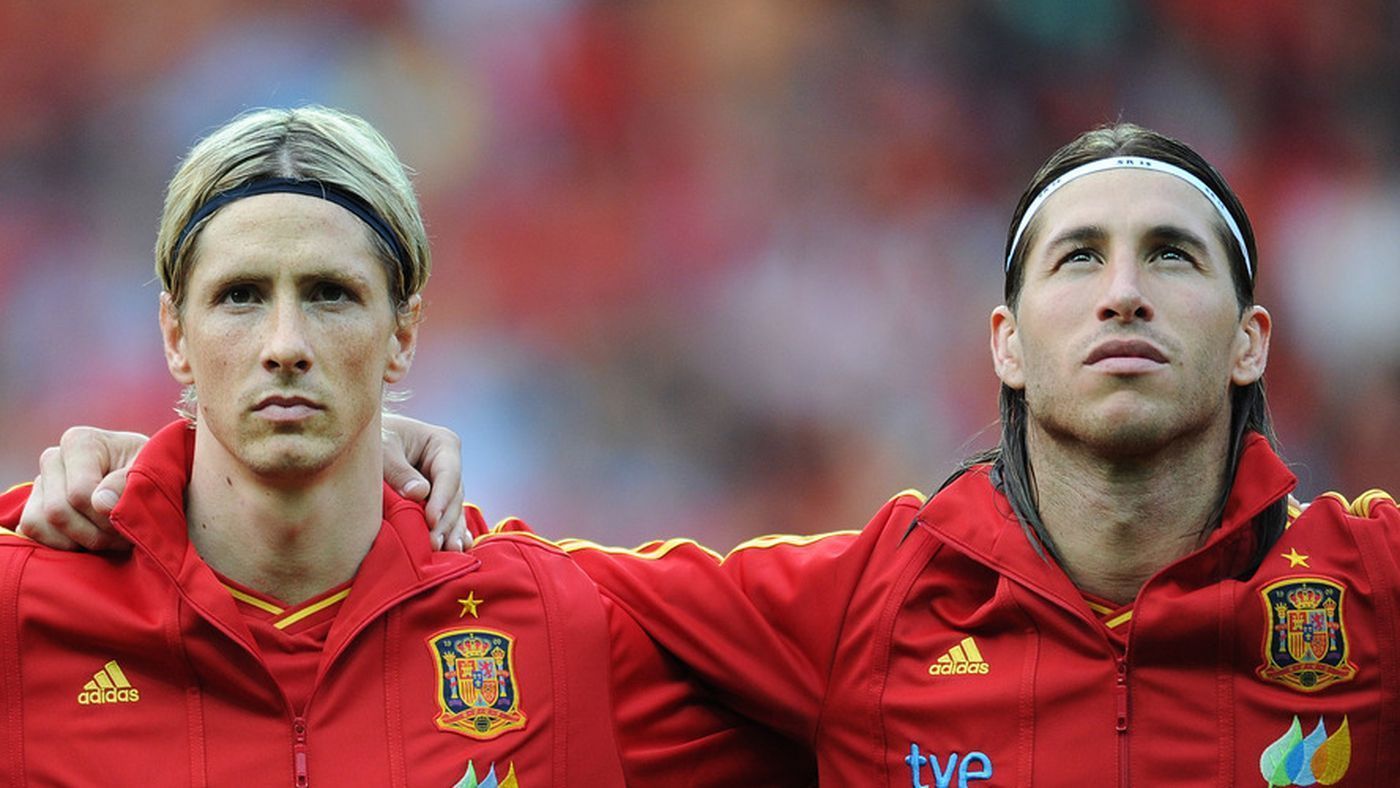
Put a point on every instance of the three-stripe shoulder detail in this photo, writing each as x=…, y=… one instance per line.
x=16, y=534
x=786, y=540
x=909, y=493
x=649, y=551
x=1365, y=505
x=10, y=531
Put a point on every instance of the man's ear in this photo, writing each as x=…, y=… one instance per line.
x=173, y=334
x=404, y=340
x=1006, y=348
x=1251, y=346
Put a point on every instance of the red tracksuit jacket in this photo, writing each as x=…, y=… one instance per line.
x=500, y=668
x=935, y=648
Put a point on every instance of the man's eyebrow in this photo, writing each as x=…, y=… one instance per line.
x=240, y=276
x=333, y=274
x=1083, y=234
x=1171, y=233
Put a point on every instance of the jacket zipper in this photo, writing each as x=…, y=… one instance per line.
x=1120, y=694
x=302, y=778
x=299, y=722
x=299, y=752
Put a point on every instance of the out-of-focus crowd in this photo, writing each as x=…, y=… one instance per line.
x=709, y=268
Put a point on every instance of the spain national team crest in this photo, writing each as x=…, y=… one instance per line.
x=1305, y=644
x=477, y=692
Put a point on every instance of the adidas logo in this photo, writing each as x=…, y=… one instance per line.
x=961, y=660
x=108, y=685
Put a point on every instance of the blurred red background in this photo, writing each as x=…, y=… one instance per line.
x=712, y=269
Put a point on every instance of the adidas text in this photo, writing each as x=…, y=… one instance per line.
x=89, y=697
x=964, y=659
x=957, y=669
x=108, y=685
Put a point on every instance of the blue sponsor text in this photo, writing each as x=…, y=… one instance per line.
x=956, y=770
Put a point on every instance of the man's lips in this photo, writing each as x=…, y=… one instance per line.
x=285, y=408
x=1130, y=354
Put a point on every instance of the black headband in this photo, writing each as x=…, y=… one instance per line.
x=327, y=191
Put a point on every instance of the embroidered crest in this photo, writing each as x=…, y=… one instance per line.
x=477, y=693
x=1295, y=759
x=1305, y=644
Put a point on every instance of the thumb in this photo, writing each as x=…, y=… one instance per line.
x=402, y=477
x=109, y=490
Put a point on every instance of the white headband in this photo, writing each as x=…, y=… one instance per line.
x=1136, y=163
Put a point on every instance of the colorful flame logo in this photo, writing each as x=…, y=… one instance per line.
x=470, y=780
x=1295, y=759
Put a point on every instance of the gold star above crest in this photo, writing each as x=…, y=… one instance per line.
x=469, y=605
x=1295, y=559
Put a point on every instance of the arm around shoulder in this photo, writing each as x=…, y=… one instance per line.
x=672, y=731
x=761, y=624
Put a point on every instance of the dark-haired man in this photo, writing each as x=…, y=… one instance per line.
x=1119, y=593
x=1114, y=595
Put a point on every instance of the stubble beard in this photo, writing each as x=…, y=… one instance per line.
x=1133, y=433
x=289, y=457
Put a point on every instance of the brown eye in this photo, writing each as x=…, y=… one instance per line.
x=240, y=295
x=331, y=292
x=1078, y=256
x=1173, y=254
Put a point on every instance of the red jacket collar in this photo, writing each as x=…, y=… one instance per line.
x=151, y=513
x=974, y=517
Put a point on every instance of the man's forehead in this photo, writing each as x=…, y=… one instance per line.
x=275, y=235
x=271, y=223
x=1126, y=200
x=282, y=212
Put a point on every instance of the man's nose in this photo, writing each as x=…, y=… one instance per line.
x=1124, y=299
x=287, y=348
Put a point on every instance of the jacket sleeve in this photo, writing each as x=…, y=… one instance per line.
x=672, y=733
x=1375, y=526
x=760, y=625
x=12, y=505
x=476, y=522
x=1374, y=521
x=14, y=551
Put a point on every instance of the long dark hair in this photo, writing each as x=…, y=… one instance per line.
x=1249, y=412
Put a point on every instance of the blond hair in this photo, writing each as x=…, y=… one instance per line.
x=310, y=143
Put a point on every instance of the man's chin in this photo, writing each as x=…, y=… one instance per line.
x=1130, y=440
x=286, y=459
x=1142, y=435
x=1122, y=432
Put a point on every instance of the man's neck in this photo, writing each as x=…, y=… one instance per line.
x=289, y=541
x=1116, y=522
